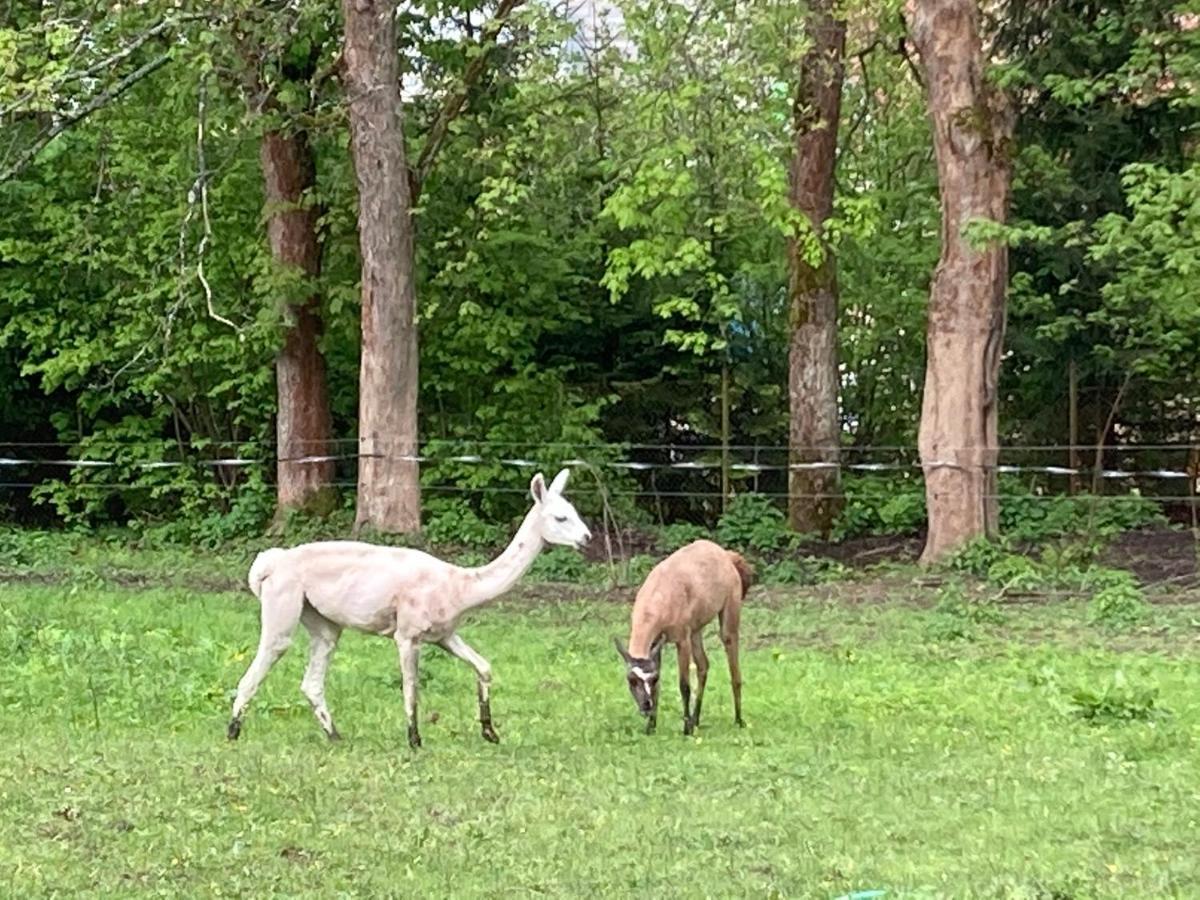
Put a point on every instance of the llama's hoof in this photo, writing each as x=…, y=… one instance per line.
x=333, y=735
x=689, y=727
x=738, y=721
x=414, y=738
x=489, y=733
x=235, y=729
x=649, y=728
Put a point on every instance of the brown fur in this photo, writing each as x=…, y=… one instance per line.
x=681, y=595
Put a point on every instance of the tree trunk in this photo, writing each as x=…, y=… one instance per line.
x=1073, y=423
x=814, y=433
x=303, y=424
x=726, y=463
x=389, y=496
x=972, y=135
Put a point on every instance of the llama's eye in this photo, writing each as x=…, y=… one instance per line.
x=560, y=518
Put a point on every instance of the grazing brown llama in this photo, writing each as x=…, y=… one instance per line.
x=681, y=595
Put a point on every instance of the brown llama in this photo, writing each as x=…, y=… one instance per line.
x=681, y=595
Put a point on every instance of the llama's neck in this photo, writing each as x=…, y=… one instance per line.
x=642, y=633
x=489, y=582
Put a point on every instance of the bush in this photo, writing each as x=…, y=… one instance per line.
x=453, y=521
x=977, y=557
x=754, y=522
x=1029, y=517
x=807, y=570
x=957, y=616
x=1120, y=604
x=560, y=564
x=880, y=505
x=672, y=537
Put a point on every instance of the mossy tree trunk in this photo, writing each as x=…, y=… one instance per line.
x=972, y=135
x=814, y=494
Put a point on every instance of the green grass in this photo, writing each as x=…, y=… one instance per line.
x=928, y=752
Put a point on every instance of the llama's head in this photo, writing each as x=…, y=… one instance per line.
x=558, y=523
x=642, y=674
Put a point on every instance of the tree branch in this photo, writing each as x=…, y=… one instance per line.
x=128, y=50
x=101, y=99
x=902, y=47
x=454, y=103
x=206, y=239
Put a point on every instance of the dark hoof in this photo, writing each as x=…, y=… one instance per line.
x=333, y=735
x=489, y=733
x=414, y=738
x=235, y=729
x=649, y=728
x=689, y=727
x=738, y=721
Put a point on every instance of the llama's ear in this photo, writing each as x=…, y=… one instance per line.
x=624, y=653
x=656, y=648
x=559, y=484
x=537, y=488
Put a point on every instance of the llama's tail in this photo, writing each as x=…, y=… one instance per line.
x=264, y=565
x=744, y=570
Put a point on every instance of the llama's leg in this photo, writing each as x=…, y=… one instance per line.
x=460, y=648
x=324, y=636
x=729, y=637
x=280, y=613
x=410, y=654
x=684, y=651
x=701, y=659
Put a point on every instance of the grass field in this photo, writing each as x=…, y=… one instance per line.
x=891, y=745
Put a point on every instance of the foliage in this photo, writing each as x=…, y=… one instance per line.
x=1119, y=604
x=880, y=505
x=1100, y=199
x=602, y=239
x=804, y=570
x=958, y=616
x=454, y=521
x=679, y=534
x=1028, y=516
x=753, y=522
x=1118, y=702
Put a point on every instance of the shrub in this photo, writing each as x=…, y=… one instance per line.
x=1120, y=604
x=957, y=616
x=802, y=571
x=453, y=521
x=1118, y=702
x=672, y=537
x=880, y=505
x=754, y=522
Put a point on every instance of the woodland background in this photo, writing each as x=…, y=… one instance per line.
x=602, y=221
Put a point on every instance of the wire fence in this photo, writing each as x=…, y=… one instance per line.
x=1170, y=472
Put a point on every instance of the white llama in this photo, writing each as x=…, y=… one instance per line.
x=405, y=594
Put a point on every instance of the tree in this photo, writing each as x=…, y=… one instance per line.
x=1102, y=101
x=389, y=495
x=814, y=425
x=303, y=424
x=972, y=134
x=281, y=86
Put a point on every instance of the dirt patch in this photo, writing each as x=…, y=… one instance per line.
x=1155, y=557
x=867, y=550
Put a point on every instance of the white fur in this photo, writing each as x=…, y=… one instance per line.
x=406, y=594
